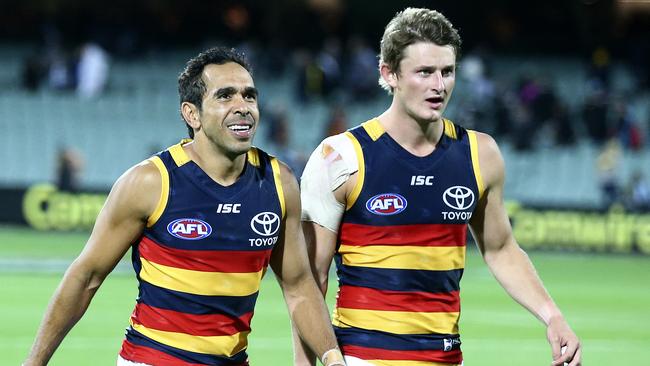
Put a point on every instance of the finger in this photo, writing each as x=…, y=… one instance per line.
x=571, y=349
x=557, y=363
x=560, y=358
x=567, y=354
x=577, y=358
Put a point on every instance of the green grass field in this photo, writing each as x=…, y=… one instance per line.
x=606, y=299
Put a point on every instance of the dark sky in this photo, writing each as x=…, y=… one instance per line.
x=556, y=26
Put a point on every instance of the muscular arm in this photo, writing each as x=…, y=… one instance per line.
x=290, y=263
x=322, y=213
x=120, y=222
x=509, y=263
x=321, y=243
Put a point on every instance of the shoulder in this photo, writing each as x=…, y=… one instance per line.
x=142, y=176
x=490, y=159
x=487, y=146
x=282, y=173
x=288, y=190
x=342, y=144
x=337, y=148
x=139, y=188
x=287, y=177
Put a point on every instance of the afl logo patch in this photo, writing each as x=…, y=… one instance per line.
x=386, y=204
x=458, y=197
x=189, y=229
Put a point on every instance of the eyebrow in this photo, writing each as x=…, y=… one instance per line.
x=432, y=67
x=230, y=90
x=251, y=91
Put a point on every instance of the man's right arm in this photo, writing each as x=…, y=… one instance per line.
x=120, y=222
x=326, y=181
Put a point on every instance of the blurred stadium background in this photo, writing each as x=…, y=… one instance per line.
x=88, y=89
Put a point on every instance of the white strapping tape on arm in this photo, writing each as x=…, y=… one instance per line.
x=329, y=166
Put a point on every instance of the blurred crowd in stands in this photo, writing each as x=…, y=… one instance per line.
x=528, y=110
x=330, y=47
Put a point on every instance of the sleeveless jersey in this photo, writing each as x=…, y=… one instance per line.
x=401, y=248
x=200, y=261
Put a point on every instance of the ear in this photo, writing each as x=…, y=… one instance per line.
x=191, y=115
x=388, y=75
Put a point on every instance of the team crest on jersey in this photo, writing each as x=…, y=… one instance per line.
x=386, y=204
x=189, y=229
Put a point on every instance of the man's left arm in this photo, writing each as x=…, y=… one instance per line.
x=290, y=263
x=510, y=265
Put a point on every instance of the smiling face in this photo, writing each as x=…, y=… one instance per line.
x=229, y=113
x=425, y=80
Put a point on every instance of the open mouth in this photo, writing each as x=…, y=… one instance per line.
x=239, y=127
x=436, y=102
x=243, y=130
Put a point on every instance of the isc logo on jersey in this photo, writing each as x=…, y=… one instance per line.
x=386, y=204
x=189, y=229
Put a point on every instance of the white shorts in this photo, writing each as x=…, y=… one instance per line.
x=123, y=362
x=354, y=361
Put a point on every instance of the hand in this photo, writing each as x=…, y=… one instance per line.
x=565, y=344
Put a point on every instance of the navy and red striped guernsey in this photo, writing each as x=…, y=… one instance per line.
x=200, y=261
x=401, y=248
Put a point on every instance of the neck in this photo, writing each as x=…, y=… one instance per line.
x=419, y=137
x=218, y=165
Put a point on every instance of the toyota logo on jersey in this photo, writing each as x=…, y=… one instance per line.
x=189, y=229
x=386, y=204
x=265, y=223
x=458, y=197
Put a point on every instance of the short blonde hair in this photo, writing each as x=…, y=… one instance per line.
x=410, y=26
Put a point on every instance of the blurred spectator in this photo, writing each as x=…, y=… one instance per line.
x=543, y=105
x=320, y=75
x=33, y=72
x=329, y=62
x=551, y=115
x=594, y=113
x=638, y=193
x=310, y=77
x=529, y=90
x=60, y=66
x=273, y=61
x=337, y=123
x=477, y=105
x=279, y=139
x=523, y=131
x=503, y=106
x=61, y=74
x=562, y=126
x=529, y=111
x=600, y=67
x=68, y=170
x=92, y=71
x=627, y=128
x=361, y=71
x=474, y=71
x=607, y=164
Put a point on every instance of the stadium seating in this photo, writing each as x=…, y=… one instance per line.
x=138, y=115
